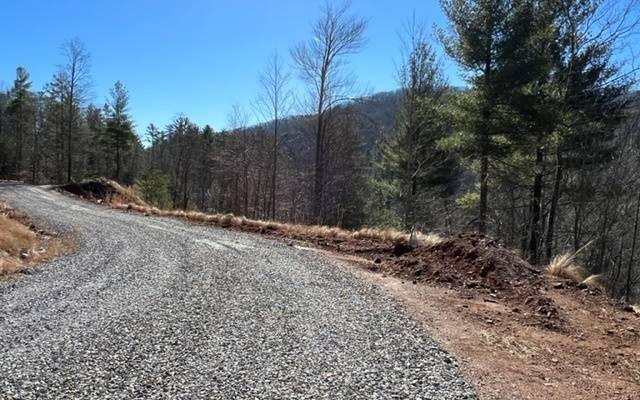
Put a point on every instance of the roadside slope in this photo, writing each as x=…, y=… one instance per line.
x=152, y=307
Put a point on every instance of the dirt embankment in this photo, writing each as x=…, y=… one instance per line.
x=103, y=190
x=519, y=333
x=24, y=245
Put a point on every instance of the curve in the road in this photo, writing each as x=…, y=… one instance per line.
x=158, y=308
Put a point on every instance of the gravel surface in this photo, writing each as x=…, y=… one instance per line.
x=153, y=308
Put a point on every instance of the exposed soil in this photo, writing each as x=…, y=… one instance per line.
x=472, y=264
x=595, y=356
x=102, y=190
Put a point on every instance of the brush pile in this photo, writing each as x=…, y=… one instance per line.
x=103, y=190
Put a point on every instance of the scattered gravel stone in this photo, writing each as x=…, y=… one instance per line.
x=159, y=309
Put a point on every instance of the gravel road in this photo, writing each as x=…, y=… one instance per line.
x=153, y=308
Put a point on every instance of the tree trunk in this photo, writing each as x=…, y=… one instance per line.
x=484, y=176
x=117, y=159
x=70, y=119
x=185, y=188
x=536, y=209
x=19, y=140
x=627, y=287
x=577, y=234
x=603, y=240
x=274, y=173
x=318, y=181
x=555, y=196
x=36, y=154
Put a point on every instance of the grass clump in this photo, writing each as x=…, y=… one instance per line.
x=565, y=266
x=21, y=246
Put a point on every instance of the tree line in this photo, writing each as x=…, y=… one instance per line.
x=539, y=149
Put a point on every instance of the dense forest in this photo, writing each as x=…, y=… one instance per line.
x=540, y=149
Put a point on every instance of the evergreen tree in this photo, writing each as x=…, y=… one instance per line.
x=485, y=41
x=154, y=188
x=411, y=157
x=592, y=93
x=119, y=128
x=20, y=113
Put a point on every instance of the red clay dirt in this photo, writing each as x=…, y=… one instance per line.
x=505, y=354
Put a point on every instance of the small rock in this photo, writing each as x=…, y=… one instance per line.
x=558, y=285
x=377, y=260
x=472, y=284
x=24, y=253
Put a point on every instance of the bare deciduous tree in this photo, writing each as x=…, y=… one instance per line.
x=76, y=70
x=321, y=63
x=272, y=104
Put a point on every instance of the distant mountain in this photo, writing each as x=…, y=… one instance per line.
x=377, y=114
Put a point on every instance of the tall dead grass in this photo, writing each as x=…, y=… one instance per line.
x=123, y=194
x=566, y=266
x=120, y=197
x=290, y=230
x=21, y=247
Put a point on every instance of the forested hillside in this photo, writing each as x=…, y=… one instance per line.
x=540, y=149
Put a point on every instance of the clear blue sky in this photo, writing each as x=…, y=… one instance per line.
x=195, y=57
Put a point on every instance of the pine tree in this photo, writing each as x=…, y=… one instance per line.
x=20, y=112
x=119, y=128
x=487, y=38
x=411, y=158
x=154, y=188
x=592, y=93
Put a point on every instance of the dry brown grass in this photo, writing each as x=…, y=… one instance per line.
x=120, y=197
x=566, y=266
x=290, y=230
x=595, y=282
x=21, y=247
x=124, y=194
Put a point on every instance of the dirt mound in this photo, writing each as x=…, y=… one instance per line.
x=103, y=190
x=468, y=260
x=478, y=266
